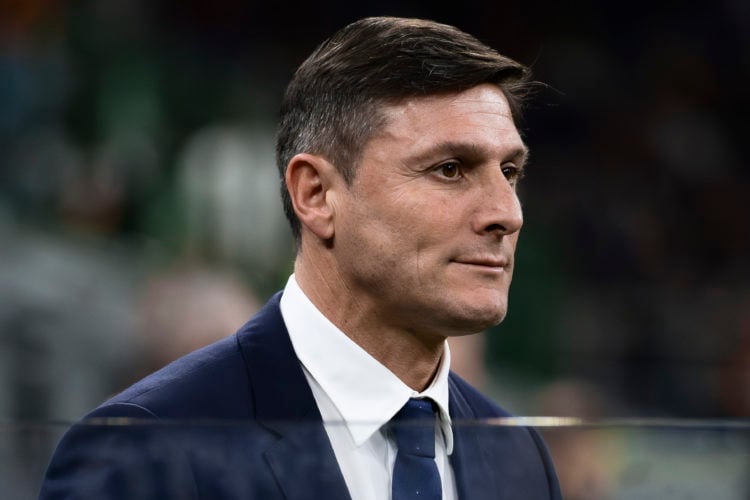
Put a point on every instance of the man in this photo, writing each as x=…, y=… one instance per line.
x=400, y=157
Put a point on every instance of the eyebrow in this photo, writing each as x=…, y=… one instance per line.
x=471, y=151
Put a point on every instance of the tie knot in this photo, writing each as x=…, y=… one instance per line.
x=414, y=428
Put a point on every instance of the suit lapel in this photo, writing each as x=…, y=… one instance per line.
x=302, y=459
x=471, y=467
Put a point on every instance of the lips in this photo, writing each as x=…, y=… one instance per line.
x=490, y=262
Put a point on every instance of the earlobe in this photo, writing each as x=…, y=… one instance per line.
x=309, y=179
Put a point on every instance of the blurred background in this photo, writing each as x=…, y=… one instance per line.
x=139, y=211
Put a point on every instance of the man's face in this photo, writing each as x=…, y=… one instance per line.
x=425, y=234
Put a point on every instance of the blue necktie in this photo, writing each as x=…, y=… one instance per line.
x=415, y=474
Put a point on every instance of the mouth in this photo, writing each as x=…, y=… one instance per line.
x=488, y=263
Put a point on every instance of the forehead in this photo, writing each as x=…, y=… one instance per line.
x=480, y=115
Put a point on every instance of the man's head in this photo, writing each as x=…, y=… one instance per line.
x=334, y=104
x=401, y=155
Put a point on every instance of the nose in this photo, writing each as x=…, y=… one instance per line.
x=499, y=209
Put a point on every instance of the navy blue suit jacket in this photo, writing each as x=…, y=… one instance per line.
x=237, y=419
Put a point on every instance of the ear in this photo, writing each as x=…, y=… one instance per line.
x=309, y=179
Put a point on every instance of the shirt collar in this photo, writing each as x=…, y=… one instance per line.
x=366, y=393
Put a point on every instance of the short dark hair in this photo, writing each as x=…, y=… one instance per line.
x=331, y=106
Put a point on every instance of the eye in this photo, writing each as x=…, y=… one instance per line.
x=449, y=170
x=512, y=173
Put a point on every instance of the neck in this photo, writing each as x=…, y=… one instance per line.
x=414, y=357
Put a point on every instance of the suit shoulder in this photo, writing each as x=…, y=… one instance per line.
x=212, y=382
x=203, y=384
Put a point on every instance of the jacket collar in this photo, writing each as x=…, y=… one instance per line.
x=302, y=458
x=470, y=466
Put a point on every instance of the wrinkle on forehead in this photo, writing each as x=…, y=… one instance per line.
x=481, y=113
x=482, y=96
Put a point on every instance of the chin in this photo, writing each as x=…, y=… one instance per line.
x=494, y=319
x=474, y=320
x=488, y=308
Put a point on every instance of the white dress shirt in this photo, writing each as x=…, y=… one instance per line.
x=356, y=396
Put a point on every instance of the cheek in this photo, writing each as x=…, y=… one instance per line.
x=435, y=213
x=406, y=224
x=377, y=234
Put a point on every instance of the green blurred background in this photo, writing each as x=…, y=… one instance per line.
x=139, y=211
